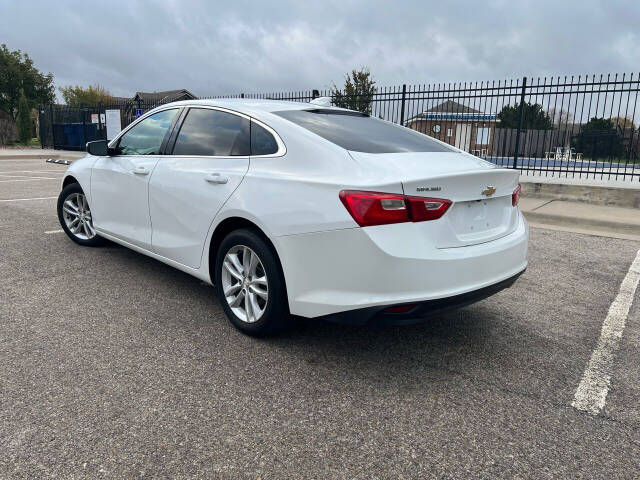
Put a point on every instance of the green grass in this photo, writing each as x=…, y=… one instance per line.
x=34, y=142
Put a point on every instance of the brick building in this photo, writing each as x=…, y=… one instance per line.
x=458, y=125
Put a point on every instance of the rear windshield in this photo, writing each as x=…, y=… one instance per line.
x=361, y=133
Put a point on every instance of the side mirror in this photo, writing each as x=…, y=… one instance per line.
x=99, y=148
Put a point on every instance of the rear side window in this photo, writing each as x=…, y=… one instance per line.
x=212, y=132
x=262, y=142
x=360, y=133
x=146, y=137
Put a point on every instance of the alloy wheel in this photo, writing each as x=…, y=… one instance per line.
x=77, y=216
x=244, y=283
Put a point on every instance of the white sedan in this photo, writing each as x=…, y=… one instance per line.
x=294, y=209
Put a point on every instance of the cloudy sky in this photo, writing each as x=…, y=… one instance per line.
x=233, y=46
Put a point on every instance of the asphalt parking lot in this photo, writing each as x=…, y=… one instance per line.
x=115, y=365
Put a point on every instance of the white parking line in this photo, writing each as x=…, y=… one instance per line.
x=592, y=391
x=23, y=160
x=32, y=179
x=56, y=172
x=26, y=199
x=54, y=231
x=4, y=175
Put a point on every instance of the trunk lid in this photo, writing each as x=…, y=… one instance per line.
x=480, y=192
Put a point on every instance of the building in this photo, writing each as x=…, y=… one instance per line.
x=163, y=97
x=147, y=99
x=458, y=125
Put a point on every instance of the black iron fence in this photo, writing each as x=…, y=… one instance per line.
x=70, y=127
x=582, y=126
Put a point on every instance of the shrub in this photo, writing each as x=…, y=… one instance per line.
x=24, y=120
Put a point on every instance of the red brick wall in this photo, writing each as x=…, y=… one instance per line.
x=449, y=127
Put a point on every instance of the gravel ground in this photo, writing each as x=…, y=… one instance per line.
x=115, y=365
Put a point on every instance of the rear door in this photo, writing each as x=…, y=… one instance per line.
x=120, y=183
x=208, y=157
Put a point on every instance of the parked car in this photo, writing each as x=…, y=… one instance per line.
x=291, y=208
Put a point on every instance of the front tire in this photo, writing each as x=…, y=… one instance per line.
x=249, y=284
x=75, y=216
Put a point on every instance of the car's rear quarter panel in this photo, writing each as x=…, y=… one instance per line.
x=298, y=192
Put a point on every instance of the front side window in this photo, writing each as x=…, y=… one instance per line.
x=213, y=133
x=361, y=133
x=146, y=137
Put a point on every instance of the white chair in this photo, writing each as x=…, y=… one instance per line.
x=558, y=152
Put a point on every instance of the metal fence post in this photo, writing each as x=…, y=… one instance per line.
x=100, y=120
x=84, y=128
x=53, y=136
x=404, y=96
x=520, y=121
x=41, y=124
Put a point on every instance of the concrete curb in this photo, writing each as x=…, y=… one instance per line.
x=583, y=223
x=604, y=196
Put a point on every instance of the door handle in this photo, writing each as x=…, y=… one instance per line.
x=141, y=170
x=216, y=178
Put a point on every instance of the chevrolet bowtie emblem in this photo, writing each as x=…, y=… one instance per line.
x=489, y=191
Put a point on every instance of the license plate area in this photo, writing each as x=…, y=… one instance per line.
x=481, y=220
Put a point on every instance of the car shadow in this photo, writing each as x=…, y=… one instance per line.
x=436, y=335
x=456, y=342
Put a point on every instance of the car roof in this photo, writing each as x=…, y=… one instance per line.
x=251, y=106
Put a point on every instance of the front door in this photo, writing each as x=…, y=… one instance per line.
x=120, y=183
x=189, y=186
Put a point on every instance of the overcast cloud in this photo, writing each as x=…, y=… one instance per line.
x=240, y=46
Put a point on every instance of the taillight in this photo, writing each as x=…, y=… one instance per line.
x=515, y=196
x=374, y=208
x=371, y=208
x=423, y=209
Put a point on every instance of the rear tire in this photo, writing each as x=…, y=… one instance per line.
x=250, y=285
x=75, y=217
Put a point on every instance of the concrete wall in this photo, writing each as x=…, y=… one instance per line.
x=621, y=197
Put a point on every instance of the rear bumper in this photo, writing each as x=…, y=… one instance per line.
x=358, y=268
x=422, y=310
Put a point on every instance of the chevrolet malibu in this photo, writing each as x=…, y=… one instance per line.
x=294, y=209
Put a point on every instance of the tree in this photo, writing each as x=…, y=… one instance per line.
x=535, y=118
x=24, y=120
x=623, y=123
x=359, y=88
x=598, y=138
x=559, y=116
x=77, y=95
x=17, y=73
